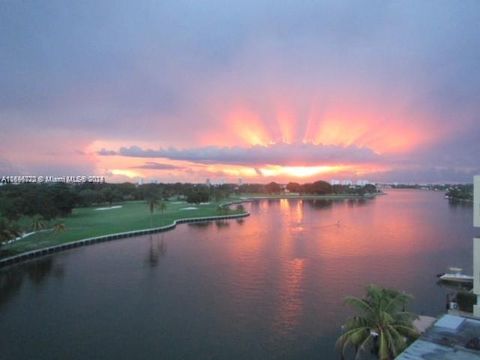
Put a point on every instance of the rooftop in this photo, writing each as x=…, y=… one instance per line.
x=450, y=338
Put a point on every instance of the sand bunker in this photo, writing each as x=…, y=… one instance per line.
x=109, y=208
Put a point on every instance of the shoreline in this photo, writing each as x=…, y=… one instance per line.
x=453, y=199
x=29, y=255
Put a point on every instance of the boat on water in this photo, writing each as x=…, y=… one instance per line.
x=455, y=275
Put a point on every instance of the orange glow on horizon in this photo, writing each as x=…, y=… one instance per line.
x=126, y=172
x=301, y=171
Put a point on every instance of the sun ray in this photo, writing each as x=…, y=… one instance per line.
x=249, y=127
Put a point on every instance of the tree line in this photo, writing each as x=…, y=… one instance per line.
x=320, y=188
x=58, y=199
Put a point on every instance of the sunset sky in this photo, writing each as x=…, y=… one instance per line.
x=258, y=90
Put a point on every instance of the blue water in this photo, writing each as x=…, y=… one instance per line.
x=270, y=286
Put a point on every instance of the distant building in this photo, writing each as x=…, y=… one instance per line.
x=476, y=244
x=347, y=182
x=334, y=182
x=207, y=182
x=362, y=182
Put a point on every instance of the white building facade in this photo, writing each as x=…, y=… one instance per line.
x=476, y=243
x=362, y=182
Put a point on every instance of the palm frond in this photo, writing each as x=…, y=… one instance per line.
x=368, y=342
x=408, y=331
x=359, y=304
x=383, y=352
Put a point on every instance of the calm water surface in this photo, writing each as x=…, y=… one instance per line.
x=268, y=287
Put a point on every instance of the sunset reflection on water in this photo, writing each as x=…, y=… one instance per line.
x=270, y=286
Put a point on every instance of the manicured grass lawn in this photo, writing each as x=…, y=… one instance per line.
x=88, y=222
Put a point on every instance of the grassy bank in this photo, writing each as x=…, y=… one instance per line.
x=89, y=222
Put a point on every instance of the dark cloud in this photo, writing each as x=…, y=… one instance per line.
x=150, y=165
x=105, y=152
x=298, y=154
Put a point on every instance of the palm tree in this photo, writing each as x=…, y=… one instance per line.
x=383, y=326
x=162, y=206
x=38, y=222
x=152, y=203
